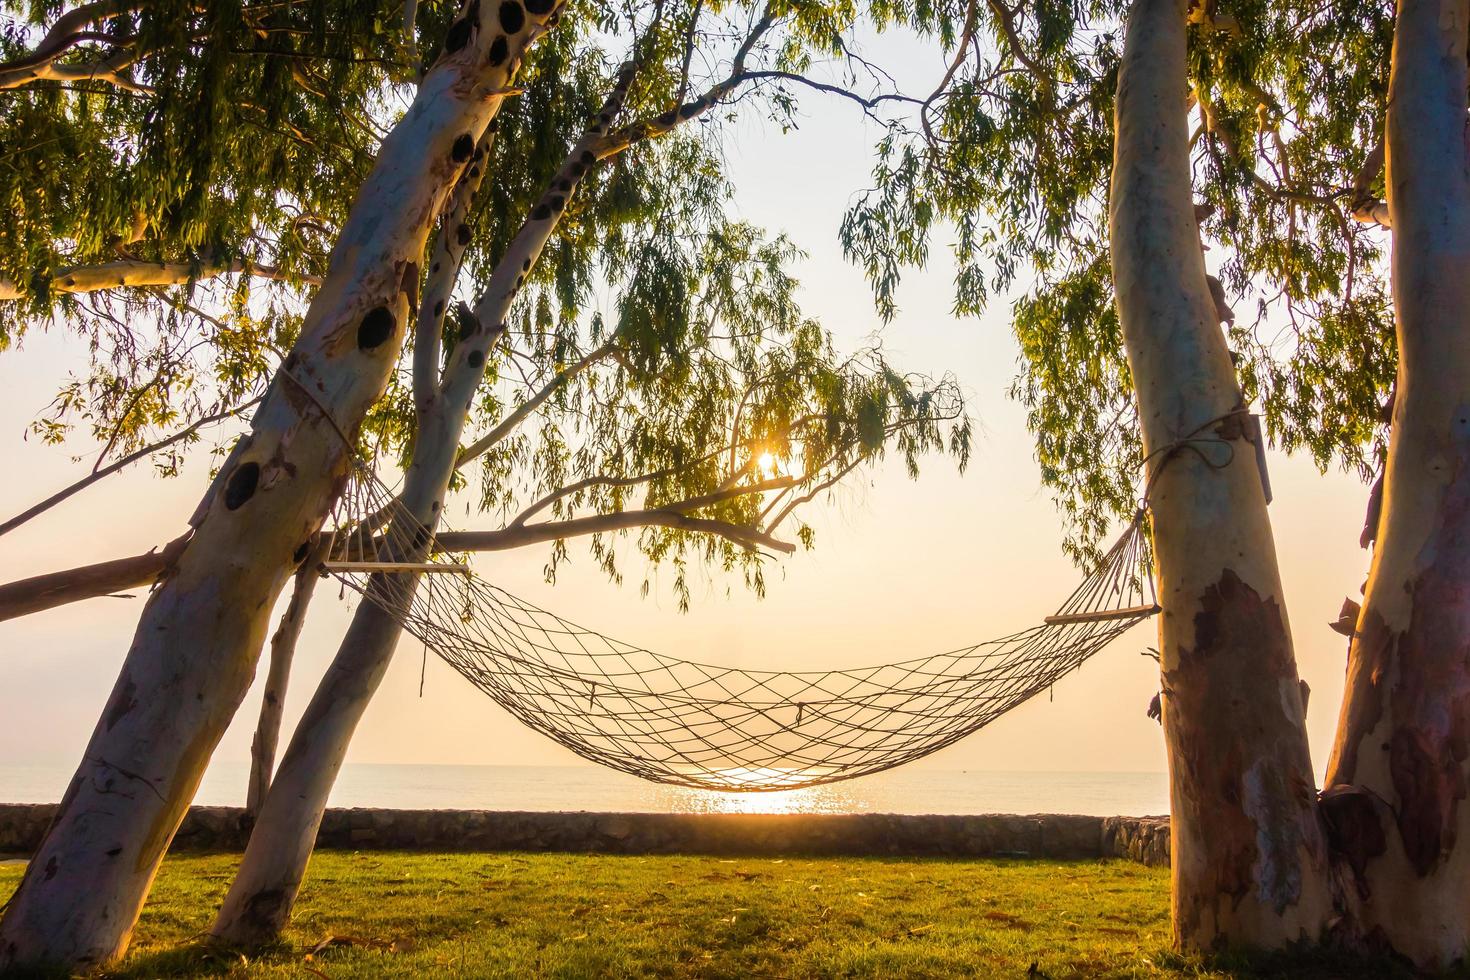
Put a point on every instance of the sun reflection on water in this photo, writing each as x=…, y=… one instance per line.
x=828, y=798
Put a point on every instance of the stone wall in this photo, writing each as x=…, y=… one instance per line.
x=213, y=828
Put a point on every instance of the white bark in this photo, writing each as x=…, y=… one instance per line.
x=1400, y=770
x=261, y=897
x=1248, y=857
x=136, y=273
x=278, y=675
x=200, y=636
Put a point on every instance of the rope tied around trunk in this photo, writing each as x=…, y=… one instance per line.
x=1193, y=441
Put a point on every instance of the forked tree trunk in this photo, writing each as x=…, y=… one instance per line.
x=195, y=650
x=259, y=902
x=1249, y=860
x=1400, y=767
x=278, y=675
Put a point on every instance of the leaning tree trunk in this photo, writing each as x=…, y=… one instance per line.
x=260, y=899
x=1400, y=767
x=1249, y=861
x=278, y=675
x=195, y=650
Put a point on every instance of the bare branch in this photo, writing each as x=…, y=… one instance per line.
x=107, y=471
x=650, y=128
x=811, y=494
x=87, y=582
x=485, y=443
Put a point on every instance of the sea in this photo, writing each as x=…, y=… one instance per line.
x=561, y=788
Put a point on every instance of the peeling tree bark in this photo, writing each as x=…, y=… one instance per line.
x=260, y=899
x=1249, y=860
x=1401, y=763
x=196, y=647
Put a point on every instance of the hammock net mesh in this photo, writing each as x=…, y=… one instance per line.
x=684, y=722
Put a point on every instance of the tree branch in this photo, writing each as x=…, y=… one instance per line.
x=107, y=471
x=67, y=32
x=516, y=537
x=650, y=128
x=134, y=273
x=89, y=581
x=488, y=441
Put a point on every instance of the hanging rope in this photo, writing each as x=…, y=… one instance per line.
x=681, y=721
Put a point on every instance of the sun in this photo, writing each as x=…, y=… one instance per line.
x=766, y=464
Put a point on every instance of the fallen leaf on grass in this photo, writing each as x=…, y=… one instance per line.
x=366, y=942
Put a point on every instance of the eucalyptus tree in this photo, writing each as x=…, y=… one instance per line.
x=200, y=633
x=705, y=320
x=1249, y=860
x=676, y=405
x=1399, y=772
x=1284, y=172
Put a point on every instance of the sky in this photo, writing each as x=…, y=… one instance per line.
x=901, y=568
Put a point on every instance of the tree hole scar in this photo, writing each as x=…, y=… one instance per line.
x=499, y=51
x=476, y=358
x=375, y=328
x=300, y=555
x=540, y=212
x=241, y=485
x=459, y=32
x=539, y=7
x=512, y=17
x=462, y=235
x=464, y=145
x=1354, y=829
x=558, y=202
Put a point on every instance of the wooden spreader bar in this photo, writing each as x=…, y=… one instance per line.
x=1103, y=615
x=389, y=567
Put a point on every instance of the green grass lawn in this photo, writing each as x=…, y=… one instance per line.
x=377, y=914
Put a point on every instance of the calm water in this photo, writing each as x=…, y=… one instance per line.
x=590, y=788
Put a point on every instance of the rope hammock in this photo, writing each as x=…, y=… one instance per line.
x=693, y=724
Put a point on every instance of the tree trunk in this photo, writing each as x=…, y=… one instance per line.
x=278, y=675
x=1400, y=766
x=195, y=650
x=1249, y=860
x=260, y=899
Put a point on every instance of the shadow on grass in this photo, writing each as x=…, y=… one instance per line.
x=1306, y=963
x=202, y=959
